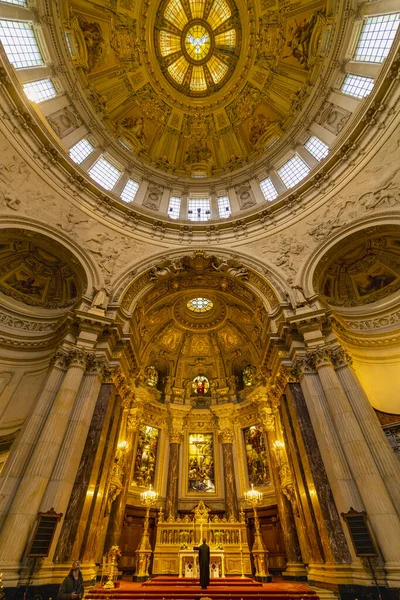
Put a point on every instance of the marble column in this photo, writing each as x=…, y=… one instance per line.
x=94, y=517
x=87, y=479
x=171, y=501
x=62, y=479
x=385, y=459
x=132, y=420
x=231, y=502
x=341, y=481
x=26, y=503
x=380, y=509
x=320, y=516
x=23, y=448
x=295, y=566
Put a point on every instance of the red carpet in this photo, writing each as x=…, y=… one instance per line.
x=173, y=588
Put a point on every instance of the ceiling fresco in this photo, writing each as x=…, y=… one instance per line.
x=197, y=88
x=39, y=272
x=362, y=271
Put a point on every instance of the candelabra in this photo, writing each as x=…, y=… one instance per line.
x=259, y=551
x=113, y=554
x=143, y=553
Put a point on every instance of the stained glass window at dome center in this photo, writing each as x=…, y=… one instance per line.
x=197, y=43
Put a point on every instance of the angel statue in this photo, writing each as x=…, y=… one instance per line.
x=166, y=269
x=230, y=267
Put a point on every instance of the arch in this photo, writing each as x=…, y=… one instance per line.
x=94, y=276
x=306, y=275
x=263, y=280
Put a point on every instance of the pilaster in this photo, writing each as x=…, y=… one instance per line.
x=285, y=494
x=119, y=481
x=225, y=415
x=177, y=415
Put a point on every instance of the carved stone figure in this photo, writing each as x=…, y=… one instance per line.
x=249, y=373
x=231, y=267
x=168, y=382
x=135, y=126
x=166, y=269
x=101, y=298
x=298, y=294
x=151, y=376
x=214, y=388
x=232, y=383
x=11, y=200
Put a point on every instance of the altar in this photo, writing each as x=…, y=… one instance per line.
x=176, y=538
x=189, y=563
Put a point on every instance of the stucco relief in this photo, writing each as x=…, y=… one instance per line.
x=374, y=190
x=285, y=251
x=23, y=191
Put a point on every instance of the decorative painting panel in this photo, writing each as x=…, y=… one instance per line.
x=256, y=456
x=201, y=475
x=146, y=454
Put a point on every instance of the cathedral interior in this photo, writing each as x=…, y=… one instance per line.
x=199, y=297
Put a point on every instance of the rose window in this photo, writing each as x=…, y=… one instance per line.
x=200, y=305
x=197, y=43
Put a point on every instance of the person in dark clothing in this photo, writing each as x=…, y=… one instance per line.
x=204, y=563
x=72, y=586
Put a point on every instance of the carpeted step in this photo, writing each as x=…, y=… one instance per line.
x=230, y=588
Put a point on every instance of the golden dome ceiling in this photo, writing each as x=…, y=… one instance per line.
x=197, y=87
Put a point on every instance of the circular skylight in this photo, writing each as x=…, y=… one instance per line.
x=197, y=44
x=200, y=305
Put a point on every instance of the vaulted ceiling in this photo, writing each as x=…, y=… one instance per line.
x=200, y=317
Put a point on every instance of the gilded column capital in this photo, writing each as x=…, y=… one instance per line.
x=134, y=418
x=176, y=422
x=290, y=375
x=268, y=421
x=226, y=416
x=175, y=436
x=226, y=436
x=109, y=374
x=311, y=361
